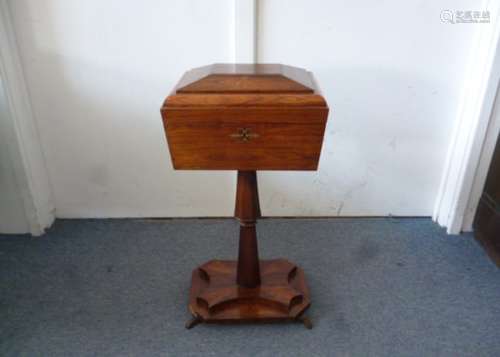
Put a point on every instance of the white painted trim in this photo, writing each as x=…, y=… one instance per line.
x=489, y=145
x=245, y=31
x=469, y=133
x=24, y=143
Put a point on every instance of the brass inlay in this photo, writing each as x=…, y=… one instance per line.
x=244, y=134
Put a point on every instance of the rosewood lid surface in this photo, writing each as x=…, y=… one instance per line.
x=246, y=85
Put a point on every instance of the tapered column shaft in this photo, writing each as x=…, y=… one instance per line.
x=247, y=210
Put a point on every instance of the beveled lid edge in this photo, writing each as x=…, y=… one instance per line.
x=252, y=79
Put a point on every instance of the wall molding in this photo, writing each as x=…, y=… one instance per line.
x=24, y=143
x=470, y=132
x=492, y=134
x=245, y=31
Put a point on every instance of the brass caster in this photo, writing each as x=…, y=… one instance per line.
x=306, y=321
x=192, y=322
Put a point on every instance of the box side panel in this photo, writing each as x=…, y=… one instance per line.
x=245, y=139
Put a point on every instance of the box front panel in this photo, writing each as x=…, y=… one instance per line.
x=245, y=138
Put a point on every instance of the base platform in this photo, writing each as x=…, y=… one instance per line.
x=216, y=297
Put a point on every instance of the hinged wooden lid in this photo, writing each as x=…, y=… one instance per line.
x=246, y=85
x=245, y=117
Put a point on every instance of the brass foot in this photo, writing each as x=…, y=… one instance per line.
x=306, y=321
x=192, y=322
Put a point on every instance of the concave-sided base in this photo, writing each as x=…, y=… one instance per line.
x=216, y=297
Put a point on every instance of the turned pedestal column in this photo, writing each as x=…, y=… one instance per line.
x=248, y=289
x=247, y=210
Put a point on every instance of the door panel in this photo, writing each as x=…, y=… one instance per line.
x=487, y=220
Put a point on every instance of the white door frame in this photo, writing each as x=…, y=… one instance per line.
x=23, y=140
x=468, y=157
x=492, y=134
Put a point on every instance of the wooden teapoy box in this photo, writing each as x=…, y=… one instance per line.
x=245, y=117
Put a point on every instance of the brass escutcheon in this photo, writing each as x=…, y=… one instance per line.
x=244, y=134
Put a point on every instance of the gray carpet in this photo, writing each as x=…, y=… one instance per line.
x=380, y=287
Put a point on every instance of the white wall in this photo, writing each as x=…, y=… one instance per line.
x=392, y=73
x=98, y=71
